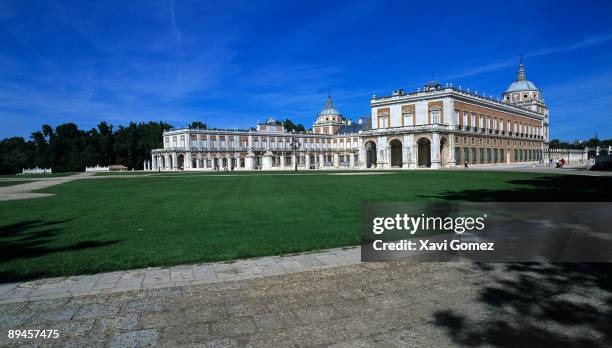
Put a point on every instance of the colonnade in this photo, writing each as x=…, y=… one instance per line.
x=264, y=160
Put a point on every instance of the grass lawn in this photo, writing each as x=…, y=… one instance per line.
x=4, y=183
x=121, y=223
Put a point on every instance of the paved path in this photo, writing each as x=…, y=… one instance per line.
x=156, y=278
x=362, y=305
x=24, y=191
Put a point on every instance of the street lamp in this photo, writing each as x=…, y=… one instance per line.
x=295, y=145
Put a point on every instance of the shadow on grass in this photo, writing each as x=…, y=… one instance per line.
x=556, y=188
x=538, y=305
x=30, y=239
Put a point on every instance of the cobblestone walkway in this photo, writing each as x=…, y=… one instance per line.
x=155, y=278
x=362, y=305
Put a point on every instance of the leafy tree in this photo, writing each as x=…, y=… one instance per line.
x=198, y=124
x=292, y=127
x=67, y=148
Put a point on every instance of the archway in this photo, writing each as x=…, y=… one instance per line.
x=370, y=147
x=180, y=161
x=424, y=155
x=396, y=153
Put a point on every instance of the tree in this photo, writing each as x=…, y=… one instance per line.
x=198, y=124
x=292, y=127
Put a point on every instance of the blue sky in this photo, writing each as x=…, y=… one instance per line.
x=233, y=63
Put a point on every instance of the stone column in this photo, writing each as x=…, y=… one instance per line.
x=321, y=160
x=174, y=161
x=382, y=148
x=411, y=152
x=282, y=160
x=435, y=150
x=352, y=160
x=307, y=162
x=362, y=158
x=450, y=160
x=336, y=160
x=188, y=161
x=406, y=155
x=266, y=161
x=153, y=162
x=209, y=164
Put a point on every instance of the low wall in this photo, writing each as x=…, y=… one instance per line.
x=571, y=156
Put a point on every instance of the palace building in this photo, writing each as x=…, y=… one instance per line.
x=434, y=127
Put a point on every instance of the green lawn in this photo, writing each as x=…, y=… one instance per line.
x=120, y=223
x=4, y=183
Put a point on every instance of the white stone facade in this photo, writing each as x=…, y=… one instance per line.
x=436, y=127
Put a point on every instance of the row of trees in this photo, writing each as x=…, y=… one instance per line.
x=68, y=148
x=579, y=144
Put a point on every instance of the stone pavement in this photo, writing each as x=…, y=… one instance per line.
x=361, y=305
x=158, y=277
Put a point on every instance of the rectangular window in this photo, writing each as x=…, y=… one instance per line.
x=456, y=117
x=383, y=122
x=408, y=119
x=435, y=116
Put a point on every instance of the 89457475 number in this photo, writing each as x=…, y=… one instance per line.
x=32, y=333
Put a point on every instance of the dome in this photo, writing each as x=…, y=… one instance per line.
x=521, y=83
x=329, y=109
x=518, y=86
